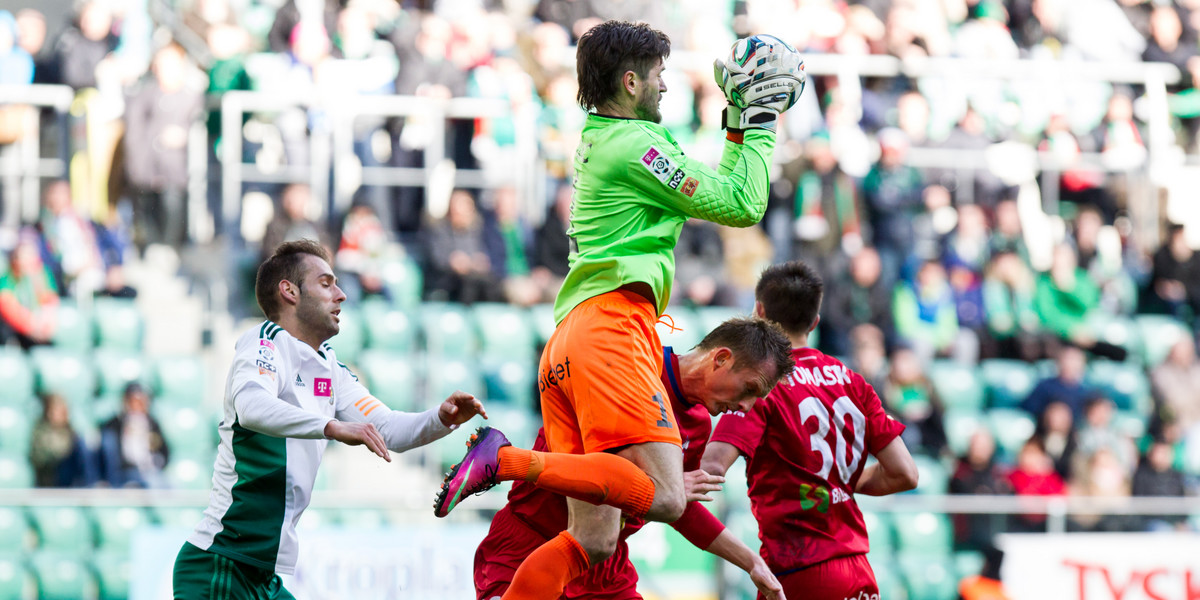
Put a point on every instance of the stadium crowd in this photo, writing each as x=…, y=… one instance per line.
x=933, y=279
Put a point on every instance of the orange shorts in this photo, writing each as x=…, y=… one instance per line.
x=600, y=378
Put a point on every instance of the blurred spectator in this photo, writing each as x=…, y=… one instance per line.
x=112, y=237
x=515, y=239
x=912, y=117
x=1012, y=322
x=1165, y=44
x=892, y=195
x=16, y=65
x=1067, y=301
x=1174, y=383
x=1065, y=386
x=1098, y=247
x=205, y=15
x=1107, y=481
x=551, y=246
x=926, y=317
x=1078, y=184
x=967, y=287
x=228, y=45
x=968, y=243
x=930, y=228
x=31, y=37
x=292, y=221
x=868, y=354
x=158, y=118
x=71, y=242
x=1155, y=476
x=699, y=262
x=290, y=15
x=1034, y=475
x=978, y=472
x=28, y=296
x=133, y=451
x=459, y=266
x=1097, y=431
x=858, y=296
x=80, y=48
x=910, y=396
x=1007, y=235
x=1119, y=137
x=57, y=453
x=986, y=585
x=1055, y=432
x=826, y=214
x=1175, y=282
x=364, y=253
x=985, y=188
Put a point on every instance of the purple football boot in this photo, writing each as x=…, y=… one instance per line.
x=476, y=473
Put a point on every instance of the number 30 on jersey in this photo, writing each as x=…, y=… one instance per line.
x=846, y=458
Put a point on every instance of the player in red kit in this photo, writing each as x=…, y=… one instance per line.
x=699, y=384
x=805, y=446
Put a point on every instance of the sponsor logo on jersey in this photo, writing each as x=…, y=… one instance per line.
x=262, y=364
x=555, y=375
x=689, y=187
x=266, y=352
x=820, y=497
x=676, y=179
x=262, y=371
x=299, y=382
x=266, y=343
x=323, y=387
x=659, y=165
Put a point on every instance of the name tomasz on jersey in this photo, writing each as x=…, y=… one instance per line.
x=826, y=375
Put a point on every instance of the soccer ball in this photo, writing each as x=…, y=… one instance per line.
x=754, y=68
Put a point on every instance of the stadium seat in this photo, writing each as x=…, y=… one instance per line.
x=16, y=428
x=447, y=330
x=15, y=581
x=519, y=424
x=1121, y=332
x=404, y=281
x=180, y=517
x=1130, y=423
x=64, y=372
x=1158, y=333
x=542, y=318
x=62, y=576
x=15, y=531
x=511, y=380
x=445, y=375
x=709, y=317
x=391, y=377
x=190, y=473
x=179, y=380
x=887, y=577
x=923, y=534
x=967, y=563
x=957, y=385
x=1012, y=428
x=115, y=369
x=15, y=472
x=349, y=340
x=115, y=525
x=113, y=574
x=17, y=375
x=63, y=529
x=504, y=330
x=879, y=533
x=388, y=328
x=934, y=478
x=1125, y=384
x=960, y=424
x=73, y=329
x=118, y=323
x=189, y=431
x=928, y=578
x=1008, y=382
x=688, y=330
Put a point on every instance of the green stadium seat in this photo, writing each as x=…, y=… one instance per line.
x=444, y=375
x=542, y=318
x=391, y=377
x=447, y=330
x=367, y=519
x=928, y=578
x=115, y=526
x=190, y=473
x=1007, y=381
x=388, y=328
x=923, y=534
x=960, y=424
x=118, y=324
x=957, y=385
x=967, y=563
x=511, y=380
x=1130, y=423
x=934, y=477
x=688, y=329
x=62, y=576
x=15, y=472
x=711, y=316
x=879, y=533
x=115, y=369
x=404, y=280
x=1125, y=384
x=1122, y=332
x=179, y=380
x=1011, y=428
x=73, y=329
x=113, y=575
x=15, y=531
x=180, y=517
x=1159, y=333
x=64, y=372
x=16, y=429
x=350, y=337
x=189, y=431
x=63, y=529
x=15, y=581
x=17, y=375
x=519, y=425
x=888, y=578
x=504, y=330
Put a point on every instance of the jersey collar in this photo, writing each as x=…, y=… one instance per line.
x=670, y=377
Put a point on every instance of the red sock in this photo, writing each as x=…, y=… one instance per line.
x=546, y=571
x=599, y=477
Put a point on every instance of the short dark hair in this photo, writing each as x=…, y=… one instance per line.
x=752, y=341
x=285, y=264
x=605, y=52
x=791, y=295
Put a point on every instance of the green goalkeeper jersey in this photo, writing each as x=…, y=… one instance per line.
x=634, y=188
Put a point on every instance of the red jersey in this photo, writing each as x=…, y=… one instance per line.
x=546, y=512
x=804, y=446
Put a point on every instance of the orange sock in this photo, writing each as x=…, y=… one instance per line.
x=546, y=571
x=599, y=477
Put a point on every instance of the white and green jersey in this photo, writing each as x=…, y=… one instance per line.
x=279, y=396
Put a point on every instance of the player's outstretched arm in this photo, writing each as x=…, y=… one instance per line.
x=358, y=434
x=895, y=472
x=718, y=457
x=459, y=408
x=730, y=548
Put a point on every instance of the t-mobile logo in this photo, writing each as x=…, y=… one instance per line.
x=322, y=387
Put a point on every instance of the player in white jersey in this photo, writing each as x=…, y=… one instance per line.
x=285, y=397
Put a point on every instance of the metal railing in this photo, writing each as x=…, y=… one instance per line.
x=22, y=166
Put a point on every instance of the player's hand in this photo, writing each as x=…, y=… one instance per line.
x=762, y=77
x=459, y=408
x=356, y=434
x=697, y=484
x=765, y=581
